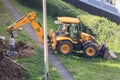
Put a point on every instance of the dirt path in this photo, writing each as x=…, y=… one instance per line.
x=65, y=75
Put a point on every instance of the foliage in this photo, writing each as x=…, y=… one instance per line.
x=54, y=7
x=102, y=29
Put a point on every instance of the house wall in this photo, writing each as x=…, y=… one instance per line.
x=99, y=7
x=118, y=5
x=102, y=4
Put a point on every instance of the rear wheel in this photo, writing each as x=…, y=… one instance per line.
x=90, y=50
x=64, y=47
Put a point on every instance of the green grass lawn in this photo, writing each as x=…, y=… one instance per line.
x=34, y=64
x=5, y=20
x=79, y=67
x=92, y=69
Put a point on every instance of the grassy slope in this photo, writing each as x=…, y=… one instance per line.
x=34, y=64
x=92, y=69
x=96, y=69
x=5, y=20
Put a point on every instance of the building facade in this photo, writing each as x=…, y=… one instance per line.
x=107, y=8
x=112, y=6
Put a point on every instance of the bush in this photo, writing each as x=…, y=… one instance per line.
x=102, y=29
x=55, y=8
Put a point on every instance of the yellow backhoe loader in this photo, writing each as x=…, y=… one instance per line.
x=66, y=38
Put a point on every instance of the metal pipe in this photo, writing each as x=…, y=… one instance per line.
x=45, y=40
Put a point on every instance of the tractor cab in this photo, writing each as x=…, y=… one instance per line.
x=68, y=37
x=67, y=26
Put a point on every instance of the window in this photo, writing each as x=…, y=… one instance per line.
x=98, y=0
x=111, y=2
x=73, y=31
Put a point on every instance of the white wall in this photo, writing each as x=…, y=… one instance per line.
x=114, y=9
x=118, y=5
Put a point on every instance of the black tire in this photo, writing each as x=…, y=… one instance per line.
x=90, y=50
x=64, y=47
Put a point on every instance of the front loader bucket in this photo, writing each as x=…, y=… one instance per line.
x=109, y=55
x=106, y=53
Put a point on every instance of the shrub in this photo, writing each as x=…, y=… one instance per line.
x=54, y=7
x=102, y=29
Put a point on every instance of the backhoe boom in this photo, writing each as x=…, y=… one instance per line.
x=29, y=18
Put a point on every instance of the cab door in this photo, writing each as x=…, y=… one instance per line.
x=74, y=31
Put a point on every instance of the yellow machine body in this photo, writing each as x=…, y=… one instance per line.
x=63, y=43
x=30, y=18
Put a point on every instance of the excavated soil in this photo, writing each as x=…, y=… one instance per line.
x=10, y=70
x=24, y=50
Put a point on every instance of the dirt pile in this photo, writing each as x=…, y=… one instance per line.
x=24, y=50
x=10, y=70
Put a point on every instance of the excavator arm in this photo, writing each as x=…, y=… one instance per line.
x=29, y=18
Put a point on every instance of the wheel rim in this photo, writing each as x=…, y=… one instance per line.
x=65, y=48
x=90, y=51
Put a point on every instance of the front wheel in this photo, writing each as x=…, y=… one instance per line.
x=90, y=50
x=64, y=47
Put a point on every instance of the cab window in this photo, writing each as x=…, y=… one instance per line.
x=73, y=31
